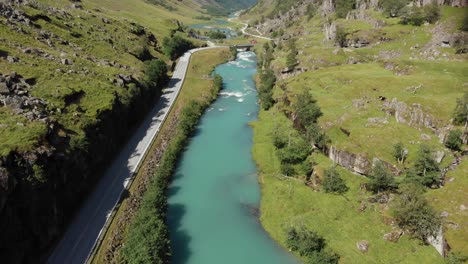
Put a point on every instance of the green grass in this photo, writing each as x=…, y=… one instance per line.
x=22, y=135
x=288, y=202
x=450, y=198
x=111, y=41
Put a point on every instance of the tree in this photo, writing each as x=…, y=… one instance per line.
x=393, y=8
x=317, y=137
x=399, y=152
x=340, y=37
x=413, y=213
x=156, y=73
x=454, y=140
x=426, y=170
x=307, y=109
x=380, y=179
x=265, y=90
x=464, y=25
x=176, y=46
x=460, y=115
x=291, y=59
x=333, y=183
x=343, y=7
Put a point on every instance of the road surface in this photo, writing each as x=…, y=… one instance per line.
x=245, y=27
x=84, y=230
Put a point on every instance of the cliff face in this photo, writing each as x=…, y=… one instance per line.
x=70, y=94
x=40, y=189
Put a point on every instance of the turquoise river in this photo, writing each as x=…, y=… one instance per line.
x=214, y=197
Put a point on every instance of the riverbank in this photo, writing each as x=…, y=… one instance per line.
x=197, y=86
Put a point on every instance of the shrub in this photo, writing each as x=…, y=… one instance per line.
x=333, y=183
x=464, y=25
x=310, y=244
x=295, y=152
x=412, y=16
x=414, y=214
x=216, y=35
x=380, y=179
x=399, y=152
x=432, y=13
x=317, y=136
x=454, y=140
x=460, y=115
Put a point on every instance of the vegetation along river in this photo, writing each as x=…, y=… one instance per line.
x=214, y=197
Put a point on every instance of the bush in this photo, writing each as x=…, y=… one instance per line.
x=317, y=136
x=380, y=179
x=464, y=25
x=216, y=35
x=412, y=16
x=310, y=244
x=333, y=183
x=460, y=115
x=295, y=152
x=432, y=13
x=399, y=152
x=414, y=214
x=454, y=140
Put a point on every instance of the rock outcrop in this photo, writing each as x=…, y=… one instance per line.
x=415, y=116
x=355, y=162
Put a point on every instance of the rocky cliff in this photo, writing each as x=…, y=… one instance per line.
x=72, y=88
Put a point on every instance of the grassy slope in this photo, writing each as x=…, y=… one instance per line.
x=450, y=199
x=334, y=83
x=197, y=86
x=54, y=86
x=287, y=203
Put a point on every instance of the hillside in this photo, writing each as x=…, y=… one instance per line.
x=380, y=77
x=75, y=78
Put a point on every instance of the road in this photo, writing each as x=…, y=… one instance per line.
x=84, y=230
x=245, y=28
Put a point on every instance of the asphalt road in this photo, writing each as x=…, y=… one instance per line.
x=83, y=231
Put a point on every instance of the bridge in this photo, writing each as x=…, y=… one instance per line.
x=244, y=47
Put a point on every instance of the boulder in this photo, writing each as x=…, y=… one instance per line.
x=393, y=236
x=363, y=246
x=4, y=88
x=12, y=59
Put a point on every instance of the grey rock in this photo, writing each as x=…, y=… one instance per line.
x=363, y=246
x=12, y=59
x=4, y=88
x=66, y=61
x=393, y=236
